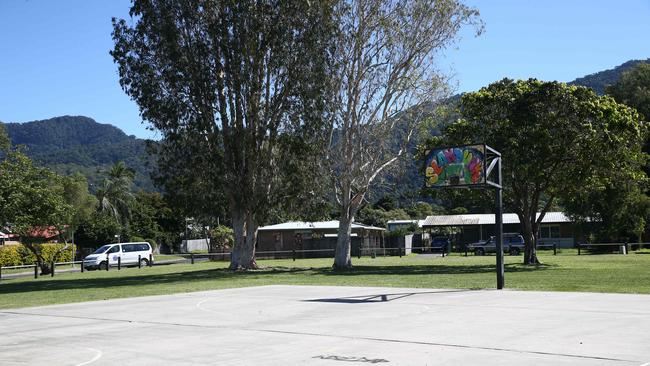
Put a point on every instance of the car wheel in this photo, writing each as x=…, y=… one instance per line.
x=144, y=262
x=102, y=266
x=514, y=251
x=479, y=251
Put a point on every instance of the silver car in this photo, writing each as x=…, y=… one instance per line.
x=512, y=243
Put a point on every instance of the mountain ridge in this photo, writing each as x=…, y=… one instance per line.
x=67, y=144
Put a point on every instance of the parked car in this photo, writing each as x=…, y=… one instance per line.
x=512, y=243
x=129, y=254
x=440, y=244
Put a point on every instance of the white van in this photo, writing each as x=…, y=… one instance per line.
x=129, y=253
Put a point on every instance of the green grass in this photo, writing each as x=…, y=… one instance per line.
x=564, y=272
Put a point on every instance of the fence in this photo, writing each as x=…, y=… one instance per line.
x=622, y=248
x=356, y=251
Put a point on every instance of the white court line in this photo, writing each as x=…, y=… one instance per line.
x=98, y=355
x=646, y=364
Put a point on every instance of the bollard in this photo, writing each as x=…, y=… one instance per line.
x=554, y=248
x=293, y=254
x=150, y=260
x=108, y=263
x=0, y=272
x=52, y=270
x=192, y=258
x=578, y=248
x=119, y=263
x=35, y=271
x=82, y=266
x=399, y=249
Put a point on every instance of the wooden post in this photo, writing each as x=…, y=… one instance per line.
x=52, y=269
x=579, y=248
x=119, y=263
x=150, y=260
x=554, y=248
x=139, y=261
x=192, y=258
x=36, y=271
x=108, y=263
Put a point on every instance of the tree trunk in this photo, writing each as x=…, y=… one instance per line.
x=245, y=230
x=530, y=240
x=45, y=267
x=342, y=258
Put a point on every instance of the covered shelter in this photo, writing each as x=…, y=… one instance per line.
x=319, y=236
x=556, y=227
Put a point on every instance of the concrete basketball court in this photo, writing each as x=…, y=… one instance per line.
x=305, y=325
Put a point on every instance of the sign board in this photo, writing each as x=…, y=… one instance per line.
x=456, y=166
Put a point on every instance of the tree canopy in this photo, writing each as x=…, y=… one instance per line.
x=241, y=82
x=556, y=141
x=384, y=76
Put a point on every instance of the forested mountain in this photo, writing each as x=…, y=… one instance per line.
x=76, y=143
x=599, y=80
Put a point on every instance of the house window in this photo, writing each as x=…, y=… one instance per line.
x=549, y=231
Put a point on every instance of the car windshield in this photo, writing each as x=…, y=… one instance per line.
x=102, y=249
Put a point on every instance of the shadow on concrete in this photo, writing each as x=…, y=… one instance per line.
x=379, y=298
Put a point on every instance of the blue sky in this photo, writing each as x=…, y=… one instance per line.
x=54, y=54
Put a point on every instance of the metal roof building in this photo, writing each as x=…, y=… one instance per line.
x=318, y=225
x=487, y=219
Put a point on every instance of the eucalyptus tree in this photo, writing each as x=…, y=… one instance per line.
x=557, y=142
x=385, y=79
x=244, y=80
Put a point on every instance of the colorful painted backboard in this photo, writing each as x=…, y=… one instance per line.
x=455, y=166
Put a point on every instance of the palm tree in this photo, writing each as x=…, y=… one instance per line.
x=115, y=195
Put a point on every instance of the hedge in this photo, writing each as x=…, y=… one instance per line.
x=16, y=255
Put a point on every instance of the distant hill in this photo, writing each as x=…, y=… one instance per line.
x=599, y=80
x=75, y=143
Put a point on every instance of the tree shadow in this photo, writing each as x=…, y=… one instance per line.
x=430, y=269
x=380, y=297
x=225, y=274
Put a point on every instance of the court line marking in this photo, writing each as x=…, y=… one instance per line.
x=98, y=355
x=388, y=340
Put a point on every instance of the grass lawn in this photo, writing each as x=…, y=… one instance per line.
x=564, y=272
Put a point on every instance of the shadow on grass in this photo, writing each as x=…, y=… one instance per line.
x=430, y=269
x=224, y=274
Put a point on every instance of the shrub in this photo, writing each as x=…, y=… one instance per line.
x=10, y=256
x=16, y=255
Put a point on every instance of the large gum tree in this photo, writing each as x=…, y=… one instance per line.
x=385, y=80
x=241, y=79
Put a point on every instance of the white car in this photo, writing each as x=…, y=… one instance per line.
x=129, y=254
